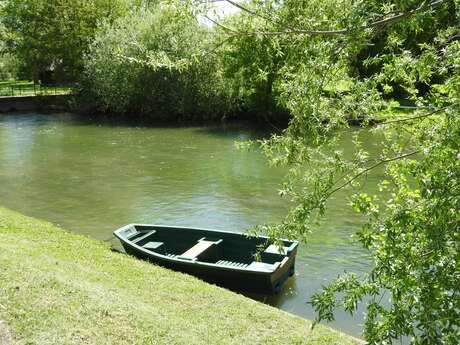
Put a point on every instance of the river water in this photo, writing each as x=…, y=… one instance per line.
x=92, y=178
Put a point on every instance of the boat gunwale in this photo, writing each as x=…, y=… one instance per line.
x=294, y=246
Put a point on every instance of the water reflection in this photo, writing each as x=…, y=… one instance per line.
x=93, y=178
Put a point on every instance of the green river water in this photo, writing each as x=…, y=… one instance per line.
x=93, y=178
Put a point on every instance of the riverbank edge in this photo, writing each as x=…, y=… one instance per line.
x=63, y=288
x=71, y=103
x=34, y=103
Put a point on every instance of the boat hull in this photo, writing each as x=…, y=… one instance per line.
x=229, y=277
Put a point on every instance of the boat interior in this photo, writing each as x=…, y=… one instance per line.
x=220, y=248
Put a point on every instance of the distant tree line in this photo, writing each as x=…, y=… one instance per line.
x=157, y=59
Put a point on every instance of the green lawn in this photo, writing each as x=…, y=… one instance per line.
x=10, y=88
x=57, y=287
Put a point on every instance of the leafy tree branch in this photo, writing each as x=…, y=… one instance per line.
x=422, y=116
x=370, y=168
x=391, y=18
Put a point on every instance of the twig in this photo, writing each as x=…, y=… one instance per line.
x=254, y=13
x=221, y=25
x=452, y=38
x=331, y=32
x=384, y=161
x=397, y=17
x=245, y=9
x=419, y=116
x=333, y=57
x=217, y=46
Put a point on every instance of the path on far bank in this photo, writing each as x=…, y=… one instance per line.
x=60, y=288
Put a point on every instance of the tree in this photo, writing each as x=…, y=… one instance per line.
x=53, y=35
x=8, y=62
x=155, y=63
x=253, y=78
x=413, y=225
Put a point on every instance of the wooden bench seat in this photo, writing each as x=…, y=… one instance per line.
x=231, y=263
x=154, y=246
x=137, y=240
x=196, y=250
x=275, y=249
x=262, y=266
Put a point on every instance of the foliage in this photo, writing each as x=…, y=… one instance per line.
x=273, y=71
x=9, y=66
x=155, y=63
x=252, y=78
x=407, y=39
x=8, y=63
x=53, y=35
x=413, y=224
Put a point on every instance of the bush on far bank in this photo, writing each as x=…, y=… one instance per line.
x=155, y=63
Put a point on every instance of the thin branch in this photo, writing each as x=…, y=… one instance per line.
x=222, y=25
x=384, y=161
x=217, y=46
x=288, y=29
x=402, y=15
x=452, y=38
x=333, y=32
x=419, y=116
x=254, y=13
x=331, y=63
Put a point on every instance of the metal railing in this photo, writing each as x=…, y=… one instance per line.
x=26, y=88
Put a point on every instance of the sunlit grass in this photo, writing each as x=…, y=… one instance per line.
x=61, y=288
x=12, y=88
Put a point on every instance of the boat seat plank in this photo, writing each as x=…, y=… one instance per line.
x=153, y=245
x=262, y=266
x=131, y=233
x=275, y=249
x=231, y=263
x=137, y=240
x=196, y=250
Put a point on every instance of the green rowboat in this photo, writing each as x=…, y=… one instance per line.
x=219, y=257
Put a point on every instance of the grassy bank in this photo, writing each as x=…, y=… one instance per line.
x=60, y=288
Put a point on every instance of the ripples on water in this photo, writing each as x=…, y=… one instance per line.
x=93, y=178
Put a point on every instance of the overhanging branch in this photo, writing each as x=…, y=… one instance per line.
x=332, y=32
x=413, y=118
x=221, y=25
x=366, y=170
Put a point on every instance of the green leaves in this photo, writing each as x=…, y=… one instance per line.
x=153, y=63
x=412, y=223
x=414, y=243
x=53, y=35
